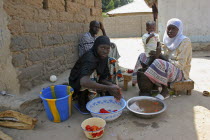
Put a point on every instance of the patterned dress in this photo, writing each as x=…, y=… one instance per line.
x=163, y=72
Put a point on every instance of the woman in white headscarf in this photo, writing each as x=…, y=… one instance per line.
x=178, y=52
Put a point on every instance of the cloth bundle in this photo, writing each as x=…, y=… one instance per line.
x=150, y=3
x=13, y=119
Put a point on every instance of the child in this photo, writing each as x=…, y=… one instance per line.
x=151, y=47
x=150, y=41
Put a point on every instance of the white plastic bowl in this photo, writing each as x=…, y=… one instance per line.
x=108, y=103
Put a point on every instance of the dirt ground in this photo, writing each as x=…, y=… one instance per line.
x=186, y=117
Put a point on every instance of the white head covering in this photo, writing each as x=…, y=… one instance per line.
x=173, y=43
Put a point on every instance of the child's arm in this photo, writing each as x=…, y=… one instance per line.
x=150, y=36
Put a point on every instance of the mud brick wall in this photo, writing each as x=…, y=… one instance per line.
x=127, y=25
x=44, y=38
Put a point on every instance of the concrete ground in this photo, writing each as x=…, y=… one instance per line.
x=187, y=117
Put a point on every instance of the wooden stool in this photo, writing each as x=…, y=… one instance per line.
x=127, y=78
x=186, y=85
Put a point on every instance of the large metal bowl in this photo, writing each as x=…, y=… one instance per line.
x=146, y=115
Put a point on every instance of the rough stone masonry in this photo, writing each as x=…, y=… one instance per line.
x=40, y=41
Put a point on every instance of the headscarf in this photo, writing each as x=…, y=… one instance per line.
x=89, y=62
x=173, y=43
x=101, y=40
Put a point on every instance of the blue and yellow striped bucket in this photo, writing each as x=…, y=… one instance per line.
x=57, y=102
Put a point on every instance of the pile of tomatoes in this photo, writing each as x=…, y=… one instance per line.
x=94, y=128
x=129, y=71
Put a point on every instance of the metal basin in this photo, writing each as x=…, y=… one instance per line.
x=146, y=115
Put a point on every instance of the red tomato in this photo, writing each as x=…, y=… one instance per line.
x=88, y=128
x=130, y=71
x=102, y=110
x=94, y=135
x=92, y=128
x=155, y=103
x=101, y=132
x=98, y=134
x=95, y=128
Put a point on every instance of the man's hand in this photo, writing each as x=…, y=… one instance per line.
x=115, y=91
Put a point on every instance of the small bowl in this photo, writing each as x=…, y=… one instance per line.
x=109, y=103
x=142, y=114
x=97, y=122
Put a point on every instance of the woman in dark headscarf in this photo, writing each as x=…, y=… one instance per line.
x=94, y=59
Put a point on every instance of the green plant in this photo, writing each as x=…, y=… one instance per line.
x=104, y=15
x=108, y=5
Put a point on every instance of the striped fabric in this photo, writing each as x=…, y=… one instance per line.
x=160, y=71
x=141, y=59
x=86, y=43
x=115, y=72
x=163, y=72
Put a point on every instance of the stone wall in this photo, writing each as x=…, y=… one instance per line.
x=44, y=41
x=127, y=26
x=8, y=76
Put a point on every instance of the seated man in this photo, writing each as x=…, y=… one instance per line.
x=96, y=59
x=86, y=43
x=87, y=40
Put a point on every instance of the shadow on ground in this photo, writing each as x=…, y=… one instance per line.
x=187, y=117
